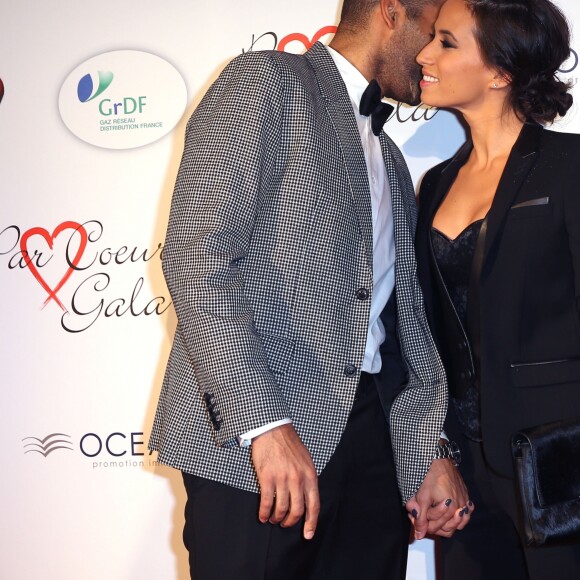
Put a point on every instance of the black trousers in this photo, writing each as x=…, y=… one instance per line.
x=490, y=548
x=363, y=529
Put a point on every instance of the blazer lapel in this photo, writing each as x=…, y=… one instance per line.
x=447, y=178
x=403, y=203
x=341, y=114
x=519, y=163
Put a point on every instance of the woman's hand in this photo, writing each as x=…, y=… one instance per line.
x=441, y=506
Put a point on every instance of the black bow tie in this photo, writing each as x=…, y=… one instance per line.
x=371, y=104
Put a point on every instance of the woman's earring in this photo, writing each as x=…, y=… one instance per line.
x=494, y=85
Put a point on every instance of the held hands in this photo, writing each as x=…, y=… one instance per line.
x=441, y=505
x=287, y=478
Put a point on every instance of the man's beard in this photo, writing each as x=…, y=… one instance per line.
x=401, y=68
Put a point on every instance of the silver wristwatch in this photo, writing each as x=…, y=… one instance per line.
x=448, y=450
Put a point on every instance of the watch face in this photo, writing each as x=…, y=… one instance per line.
x=449, y=451
x=455, y=453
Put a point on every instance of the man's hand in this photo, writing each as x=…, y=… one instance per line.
x=288, y=480
x=441, y=505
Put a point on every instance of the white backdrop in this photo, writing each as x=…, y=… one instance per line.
x=86, y=323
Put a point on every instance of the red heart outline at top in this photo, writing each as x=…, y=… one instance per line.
x=49, y=240
x=307, y=42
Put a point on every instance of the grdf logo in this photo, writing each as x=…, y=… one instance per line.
x=141, y=102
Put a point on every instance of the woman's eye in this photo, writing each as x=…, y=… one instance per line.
x=446, y=44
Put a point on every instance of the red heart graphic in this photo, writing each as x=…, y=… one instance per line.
x=307, y=42
x=49, y=240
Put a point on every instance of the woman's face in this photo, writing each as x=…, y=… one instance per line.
x=454, y=75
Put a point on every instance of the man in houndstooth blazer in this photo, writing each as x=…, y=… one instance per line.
x=269, y=260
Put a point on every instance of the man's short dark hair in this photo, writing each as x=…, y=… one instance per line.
x=356, y=12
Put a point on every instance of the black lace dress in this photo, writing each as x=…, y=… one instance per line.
x=454, y=258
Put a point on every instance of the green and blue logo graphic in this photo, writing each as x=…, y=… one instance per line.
x=87, y=89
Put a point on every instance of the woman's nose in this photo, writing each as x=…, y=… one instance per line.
x=424, y=55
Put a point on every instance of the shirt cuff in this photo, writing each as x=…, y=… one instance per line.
x=245, y=440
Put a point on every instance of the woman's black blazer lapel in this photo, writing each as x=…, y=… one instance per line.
x=518, y=166
x=447, y=177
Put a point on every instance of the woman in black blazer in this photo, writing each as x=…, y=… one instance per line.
x=498, y=245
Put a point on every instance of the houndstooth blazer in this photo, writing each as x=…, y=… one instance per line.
x=269, y=239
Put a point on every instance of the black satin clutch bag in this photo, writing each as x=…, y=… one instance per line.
x=547, y=463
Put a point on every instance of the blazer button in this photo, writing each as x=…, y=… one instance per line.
x=362, y=294
x=349, y=370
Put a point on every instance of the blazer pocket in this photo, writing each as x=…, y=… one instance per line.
x=531, y=208
x=529, y=202
x=279, y=352
x=546, y=373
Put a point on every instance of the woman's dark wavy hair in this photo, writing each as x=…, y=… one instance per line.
x=527, y=40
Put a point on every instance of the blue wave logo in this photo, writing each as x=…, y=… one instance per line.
x=46, y=446
x=90, y=88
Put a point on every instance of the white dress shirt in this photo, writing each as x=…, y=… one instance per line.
x=383, y=229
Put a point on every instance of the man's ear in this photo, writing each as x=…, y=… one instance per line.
x=392, y=12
